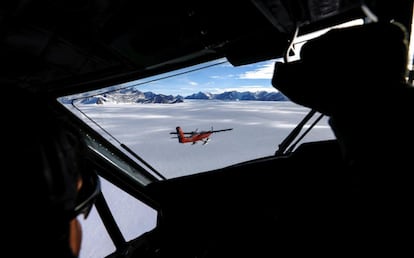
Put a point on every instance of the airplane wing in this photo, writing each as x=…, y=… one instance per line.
x=183, y=132
x=178, y=129
x=196, y=131
x=222, y=130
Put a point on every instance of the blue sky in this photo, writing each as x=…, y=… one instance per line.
x=214, y=79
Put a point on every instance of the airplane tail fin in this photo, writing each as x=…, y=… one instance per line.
x=180, y=134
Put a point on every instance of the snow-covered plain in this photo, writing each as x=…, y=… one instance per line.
x=258, y=128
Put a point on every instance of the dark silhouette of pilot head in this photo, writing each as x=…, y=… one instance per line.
x=357, y=77
x=48, y=177
x=345, y=64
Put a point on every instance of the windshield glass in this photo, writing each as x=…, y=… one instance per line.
x=227, y=115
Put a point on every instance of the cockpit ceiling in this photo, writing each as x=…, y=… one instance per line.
x=65, y=47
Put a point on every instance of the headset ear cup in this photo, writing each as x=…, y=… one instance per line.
x=60, y=172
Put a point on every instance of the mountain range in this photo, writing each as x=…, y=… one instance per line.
x=136, y=96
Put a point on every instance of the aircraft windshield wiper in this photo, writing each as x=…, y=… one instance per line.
x=284, y=148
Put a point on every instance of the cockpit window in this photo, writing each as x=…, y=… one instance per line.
x=198, y=119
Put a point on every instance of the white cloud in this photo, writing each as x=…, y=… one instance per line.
x=226, y=76
x=263, y=72
x=251, y=88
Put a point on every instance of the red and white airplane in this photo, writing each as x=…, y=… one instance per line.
x=195, y=136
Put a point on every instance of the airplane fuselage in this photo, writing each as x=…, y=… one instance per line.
x=194, y=137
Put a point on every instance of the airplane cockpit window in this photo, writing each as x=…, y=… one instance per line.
x=198, y=119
